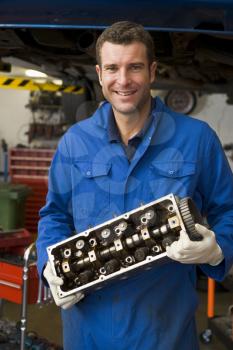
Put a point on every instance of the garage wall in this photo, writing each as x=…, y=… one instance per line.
x=15, y=117
x=219, y=115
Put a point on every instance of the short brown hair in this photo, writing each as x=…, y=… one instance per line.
x=124, y=33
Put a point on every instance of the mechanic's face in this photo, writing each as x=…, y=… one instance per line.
x=125, y=76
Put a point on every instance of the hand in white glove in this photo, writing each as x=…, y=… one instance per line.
x=54, y=282
x=206, y=251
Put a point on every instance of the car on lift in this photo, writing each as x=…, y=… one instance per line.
x=193, y=40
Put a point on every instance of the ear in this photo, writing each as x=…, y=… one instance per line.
x=153, y=68
x=98, y=71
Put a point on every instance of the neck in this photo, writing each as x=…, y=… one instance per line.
x=130, y=124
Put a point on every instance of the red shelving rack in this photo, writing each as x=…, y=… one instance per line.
x=30, y=167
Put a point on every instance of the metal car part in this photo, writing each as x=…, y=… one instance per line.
x=122, y=246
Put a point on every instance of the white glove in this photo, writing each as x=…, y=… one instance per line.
x=206, y=251
x=54, y=282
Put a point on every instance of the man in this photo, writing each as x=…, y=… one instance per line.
x=132, y=150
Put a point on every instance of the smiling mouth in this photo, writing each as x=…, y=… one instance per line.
x=125, y=93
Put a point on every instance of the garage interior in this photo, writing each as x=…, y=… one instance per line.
x=212, y=108
x=35, y=113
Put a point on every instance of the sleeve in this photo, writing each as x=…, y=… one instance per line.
x=216, y=188
x=56, y=220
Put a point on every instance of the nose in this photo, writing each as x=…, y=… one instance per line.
x=123, y=77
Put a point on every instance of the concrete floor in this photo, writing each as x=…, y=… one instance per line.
x=223, y=300
x=46, y=323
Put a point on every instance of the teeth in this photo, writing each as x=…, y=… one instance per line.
x=126, y=93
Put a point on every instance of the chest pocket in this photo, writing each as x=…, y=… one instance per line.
x=90, y=197
x=173, y=177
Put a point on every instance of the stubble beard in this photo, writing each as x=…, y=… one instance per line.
x=133, y=111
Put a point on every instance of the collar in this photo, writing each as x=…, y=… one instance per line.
x=113, y=131
x=103, y=114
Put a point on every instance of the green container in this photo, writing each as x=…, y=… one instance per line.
x=12, y=205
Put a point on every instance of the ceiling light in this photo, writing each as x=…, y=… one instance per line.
x=57, y=81
x=35, y=74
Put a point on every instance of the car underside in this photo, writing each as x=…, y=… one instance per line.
x=186, y=60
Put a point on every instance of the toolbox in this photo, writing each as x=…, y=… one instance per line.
x=12, y=205
x=11, y=279
x=14, y=241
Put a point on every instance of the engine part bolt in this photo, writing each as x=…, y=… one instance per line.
x=105, y=233
x=80, y=244
x=129, y=260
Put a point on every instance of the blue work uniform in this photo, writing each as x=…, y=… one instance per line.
x=91, y=179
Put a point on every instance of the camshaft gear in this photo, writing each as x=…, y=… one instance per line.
x=190, y=216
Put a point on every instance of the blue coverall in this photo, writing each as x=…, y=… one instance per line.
x=91, y=180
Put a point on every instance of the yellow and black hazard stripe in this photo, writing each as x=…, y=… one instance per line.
x=8, y=82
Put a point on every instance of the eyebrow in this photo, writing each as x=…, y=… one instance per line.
x=107, y=65
x=113, y=65
x=137, y=63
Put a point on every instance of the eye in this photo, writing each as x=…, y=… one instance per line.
x=136, y=67
x=111, y=69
